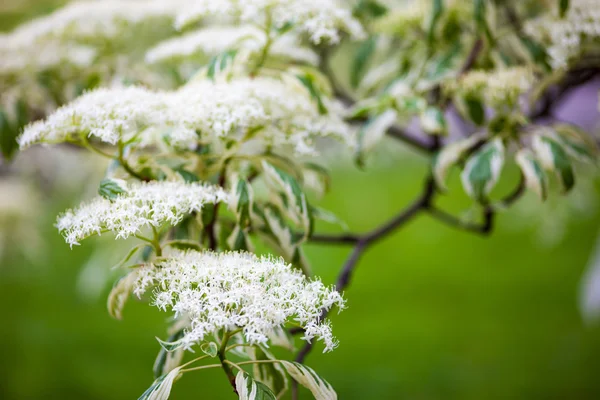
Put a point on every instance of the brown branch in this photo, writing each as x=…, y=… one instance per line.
x=211, y=226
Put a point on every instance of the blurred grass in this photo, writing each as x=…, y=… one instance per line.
x=434, y=313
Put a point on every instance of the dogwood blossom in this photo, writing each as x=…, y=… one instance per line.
x=276, y=112
x=91, y=20
x=140, y=205
x=568, y=36
x=321, y=19
x=497, y=87
x=238, y=290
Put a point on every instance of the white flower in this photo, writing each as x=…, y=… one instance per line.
x=498, y=87
x=321, y=19
x=217, y=39
x=275, y=112
x=141, y=205
x=568, y=36
x=238, y=290
x=91, y=20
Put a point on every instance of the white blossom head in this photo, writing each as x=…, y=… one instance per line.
x=320, y=19
x=274, y=111
x=138, y=206
x=238, y=290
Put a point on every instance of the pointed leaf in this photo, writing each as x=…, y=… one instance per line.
x=166, y=361
x=307, y=377
x=372, y=132
x=110, y=189
x=482, y=170
x=433, y=121
x=161, y=387
x=553, y=157
x=249, y=389
x=361, y=60
x=533, y=173
x=119, y=294
x=563, y=7
x=449, y=156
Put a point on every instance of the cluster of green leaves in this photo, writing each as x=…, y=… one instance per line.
x=418, y=61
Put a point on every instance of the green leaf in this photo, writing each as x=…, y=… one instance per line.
x=110, y=189
x=170, y=346
x=563, y=7
x=209, y=349
x=436, y=14
x=329, y=217
x=8, y=137
x=187, y=176
x=433, y=121
x=161, y=387
x=309, y=83
x=298, y=209
x=167, y=360
x=449, y=156
x=219, y=63
x=307, y=377
x=533, y=173
x=184, y=244
x=553, y=157
x=475, y=110
x=361, y=60
x=242, y=201
x=119, y=294
x=483, y=169
x=369, y=8
x=128, y=256
x=479, y=13
x=445, y=64
x=249, y=389
x=578, y=143
x=238, y=240
x=372, y=132
x=536, y=51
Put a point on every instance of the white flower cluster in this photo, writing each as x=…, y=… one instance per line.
x=321, y=19
x=141, y=205
x=498, y=88
x=217, y=39
x=567, y=36
x=92, y=20
x=280, y=113
x=238, y=290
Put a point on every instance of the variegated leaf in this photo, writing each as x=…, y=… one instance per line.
x=167, y=360
x=554, y=158
x=449, y=156
x=373, y=131
x=271, y=374
x=295, y=197
x=161, y=387
x=577, y=143
x=483, y=169
x=119, y=294
x=433, y=121
x=249, y=389
x=533, y=173
x=308, y=378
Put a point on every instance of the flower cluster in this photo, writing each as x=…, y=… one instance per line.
x=238, y=290
x=140, y=205
x=278, y=112
x=568, y=36
x=498, y=88
x=91, y=20
x=321, y=19
x=217, y=39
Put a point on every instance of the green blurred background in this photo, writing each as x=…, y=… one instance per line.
x=434, y=313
